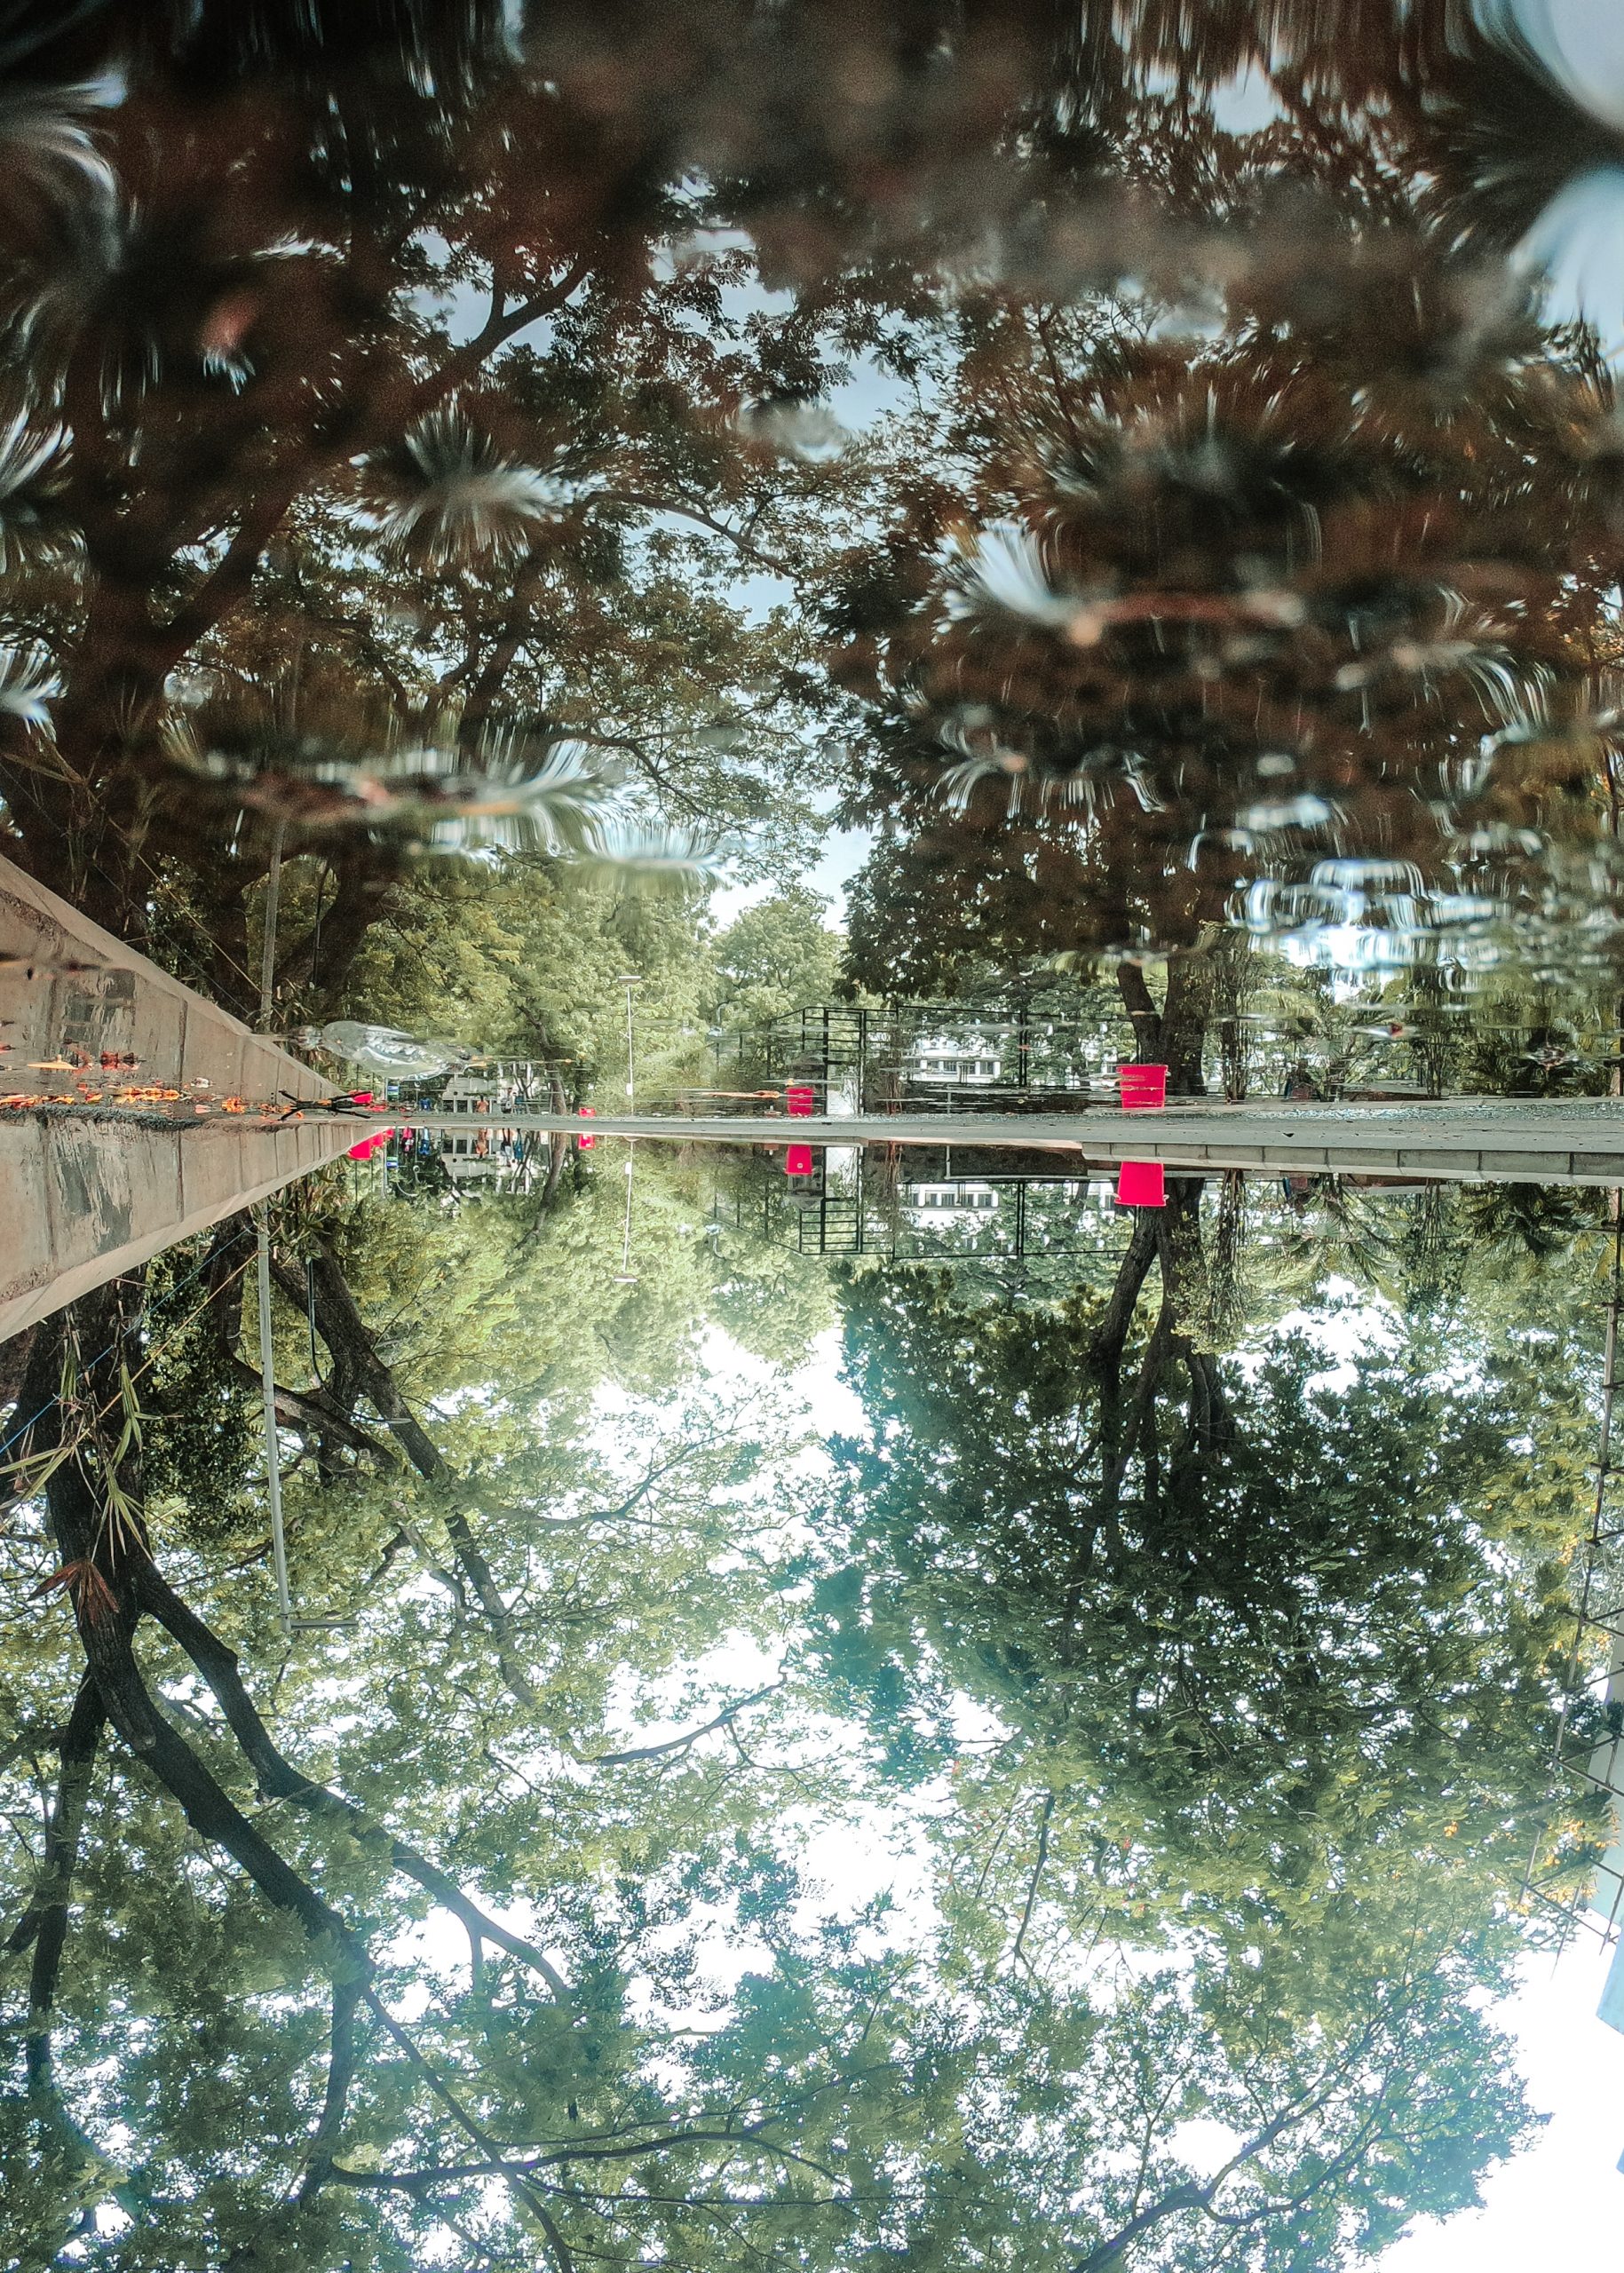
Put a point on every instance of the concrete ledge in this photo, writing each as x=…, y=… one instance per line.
x=84, y=1199
x=110, y=1198
x=67, y=986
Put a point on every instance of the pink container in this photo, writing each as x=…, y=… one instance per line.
x=367, y=1144
x=585, y=1144
x=1144, y=1088
x=1141, y=1183
x=798, y=1101
x=798, y=1160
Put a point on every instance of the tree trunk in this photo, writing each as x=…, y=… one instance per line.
x=14, y=1357
x=364, y=875
x=1176, y=1034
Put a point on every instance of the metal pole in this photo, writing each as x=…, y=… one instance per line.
x=273, y=1470
x=267, y=1369
x=273, y=897
x=628, y=979
x=628, y=1277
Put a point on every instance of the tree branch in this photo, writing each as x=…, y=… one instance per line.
x=673, y=1744
x=278, y=1778
x=1045, y=1816
x=44, y=1922
x=340, y=2076
x=356, y=1359
x=650, y=501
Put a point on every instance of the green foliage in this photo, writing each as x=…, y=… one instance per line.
x=776, y=957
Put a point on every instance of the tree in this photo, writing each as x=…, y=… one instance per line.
x=360, y=445
x=775, y=956
x=1136, y=656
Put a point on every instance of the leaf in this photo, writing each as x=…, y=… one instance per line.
x=1002, y=568
x=92, y=1597
x=445, y=495
x=33, y=464
x=27, y=684
x=43, y=136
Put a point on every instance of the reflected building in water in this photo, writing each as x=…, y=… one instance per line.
x=483, y=1157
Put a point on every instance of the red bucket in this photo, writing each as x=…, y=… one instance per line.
x=798, y=1100
x=585, y=1144
x=1144, y=1088
x=798, y=1160
x=1141, y=1183
x=367, y=1144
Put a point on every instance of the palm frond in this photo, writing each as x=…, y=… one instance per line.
x=1510, y=134
x=983, y=757
x=515, y=790
x=553, y=796
x=28, y=685
x=439, y=49
x=1002, y=568
x=662, y=862
x=43, y=136
x=32, y=475
x=560, y=798
x=446, y=495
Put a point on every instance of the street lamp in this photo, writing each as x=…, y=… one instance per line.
x=626, y=1275
x=628, y=979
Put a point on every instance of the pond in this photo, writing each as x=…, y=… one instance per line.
x=684, y=1587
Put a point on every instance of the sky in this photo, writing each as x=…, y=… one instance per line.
x=1565, y=2191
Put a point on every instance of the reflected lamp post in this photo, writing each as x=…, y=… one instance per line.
x=626, y=1275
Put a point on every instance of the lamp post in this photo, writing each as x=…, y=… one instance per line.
x=628, y=979
x=626, y=1275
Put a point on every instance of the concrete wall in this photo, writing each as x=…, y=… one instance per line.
x=70, y=989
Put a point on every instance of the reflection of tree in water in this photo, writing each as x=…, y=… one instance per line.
x=1257, y=1677
x=1271, y=1657
x=1148, y=1485
x=235, y=1982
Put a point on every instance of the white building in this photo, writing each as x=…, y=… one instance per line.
x=959, y=1060
x=476, y=1157
x=948, y=1203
